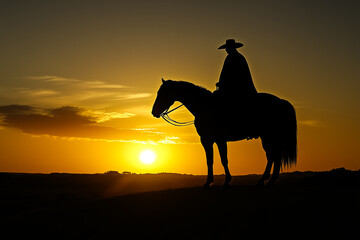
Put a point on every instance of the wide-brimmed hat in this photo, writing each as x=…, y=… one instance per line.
x=230, y=43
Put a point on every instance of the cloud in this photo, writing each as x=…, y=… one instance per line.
x=50, y=90
x=16, y=109
x=310, y=123
x=80, y=83
x=58, y=121
x=53, y=78
x=132, y=96
x=74, y=123
x=102, y=116
x=37, y=93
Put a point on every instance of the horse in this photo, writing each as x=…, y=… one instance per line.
x=268, y=117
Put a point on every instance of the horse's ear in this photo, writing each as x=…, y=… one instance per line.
x=163, y=81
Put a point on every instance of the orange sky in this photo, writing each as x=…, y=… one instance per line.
x=78, y=80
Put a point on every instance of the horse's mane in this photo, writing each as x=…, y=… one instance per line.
x=192, y=89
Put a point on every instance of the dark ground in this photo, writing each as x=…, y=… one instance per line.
x=174, y=206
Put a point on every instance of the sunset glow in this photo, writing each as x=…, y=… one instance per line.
x=78, y=81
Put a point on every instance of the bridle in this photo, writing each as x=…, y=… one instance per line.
x=167, y=118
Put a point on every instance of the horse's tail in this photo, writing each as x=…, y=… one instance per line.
x=289, y=150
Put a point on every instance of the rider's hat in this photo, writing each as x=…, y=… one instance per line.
x=230, y=43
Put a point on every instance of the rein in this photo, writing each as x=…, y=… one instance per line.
x=168, y=119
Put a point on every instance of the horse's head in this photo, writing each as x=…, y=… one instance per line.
x=164, y=98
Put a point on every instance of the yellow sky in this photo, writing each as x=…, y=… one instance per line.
x=78, y=80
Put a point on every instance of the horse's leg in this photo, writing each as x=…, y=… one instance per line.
x=276, y=171
x=208, y=146
x=276, y=158
x=224, y=160
x=266, y=174
x=268, y=150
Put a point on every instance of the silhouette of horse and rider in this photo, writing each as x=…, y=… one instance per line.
x=235, y=111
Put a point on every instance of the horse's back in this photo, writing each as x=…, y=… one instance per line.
x=249, y=107
x=251, y=117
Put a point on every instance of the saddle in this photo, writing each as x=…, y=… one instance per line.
x=237, y=116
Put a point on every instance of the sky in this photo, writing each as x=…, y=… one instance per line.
x=78, y=80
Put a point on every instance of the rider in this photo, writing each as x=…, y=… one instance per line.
x=235, y=78
x=235, y=84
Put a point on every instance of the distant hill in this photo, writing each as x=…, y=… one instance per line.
x=174, y=206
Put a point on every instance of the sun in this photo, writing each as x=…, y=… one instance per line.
x=147, y=156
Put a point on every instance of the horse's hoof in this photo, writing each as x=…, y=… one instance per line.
x=225, y=186
x=228, y=179
x=270, y=183
x=207, y=186
x=260, y=183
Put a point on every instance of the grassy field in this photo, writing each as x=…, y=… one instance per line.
x=174, y=206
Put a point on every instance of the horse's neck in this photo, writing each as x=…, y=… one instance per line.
x=195, y=104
